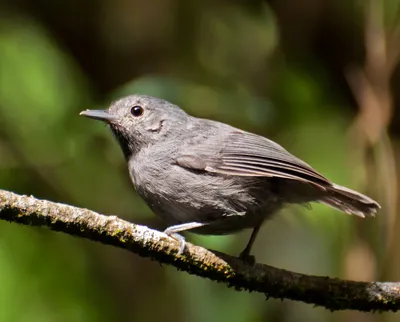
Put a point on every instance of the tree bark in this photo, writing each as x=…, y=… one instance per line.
x=331, y=293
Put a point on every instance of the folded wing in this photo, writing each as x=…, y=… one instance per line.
x=246, y=154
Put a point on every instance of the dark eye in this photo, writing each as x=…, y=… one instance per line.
x=137, y=111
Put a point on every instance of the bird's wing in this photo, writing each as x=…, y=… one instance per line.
x=246, y=154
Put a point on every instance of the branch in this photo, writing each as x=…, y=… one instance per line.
x=333, y=294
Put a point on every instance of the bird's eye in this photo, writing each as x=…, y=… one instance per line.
x=137, y=111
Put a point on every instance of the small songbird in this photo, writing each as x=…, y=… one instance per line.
x=208, y=177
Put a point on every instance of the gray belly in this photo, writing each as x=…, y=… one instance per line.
x=224, y=204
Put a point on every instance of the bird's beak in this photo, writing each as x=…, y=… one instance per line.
x=101, y=115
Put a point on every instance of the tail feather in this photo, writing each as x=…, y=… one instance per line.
x=350, y=202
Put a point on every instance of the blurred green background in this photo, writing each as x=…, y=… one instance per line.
x=317, y=76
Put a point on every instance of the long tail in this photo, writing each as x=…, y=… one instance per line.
x=350, y=202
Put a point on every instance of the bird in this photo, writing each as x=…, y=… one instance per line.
x=210, y=178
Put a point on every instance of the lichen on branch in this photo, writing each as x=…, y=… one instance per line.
x=331, y=293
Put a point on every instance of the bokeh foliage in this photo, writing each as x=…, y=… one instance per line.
x=267, y=67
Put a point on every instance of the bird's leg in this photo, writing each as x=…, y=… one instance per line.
x=245, y=254
x=174, y=230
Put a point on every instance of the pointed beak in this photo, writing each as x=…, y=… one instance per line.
x=101, y=115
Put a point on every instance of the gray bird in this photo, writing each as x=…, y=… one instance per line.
x=211, y=178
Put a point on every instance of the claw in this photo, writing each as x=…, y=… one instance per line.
x=247, y=258
x=179, y=238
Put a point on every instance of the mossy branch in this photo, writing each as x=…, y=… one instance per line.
x=331, y=293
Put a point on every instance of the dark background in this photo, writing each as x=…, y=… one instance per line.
x=317, y=76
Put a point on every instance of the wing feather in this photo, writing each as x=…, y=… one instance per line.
x=247, y=154
x=240, y=153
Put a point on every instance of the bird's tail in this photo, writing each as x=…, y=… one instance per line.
x=350, y=202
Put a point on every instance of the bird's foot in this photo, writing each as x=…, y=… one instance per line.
x=173, y=232
x=179, y=238
x=247, y=258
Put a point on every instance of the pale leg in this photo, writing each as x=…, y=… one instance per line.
x=174, y=230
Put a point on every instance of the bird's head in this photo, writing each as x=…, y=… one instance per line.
x=139, y=120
